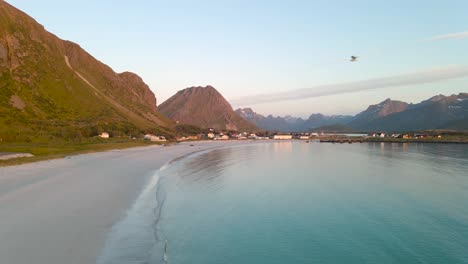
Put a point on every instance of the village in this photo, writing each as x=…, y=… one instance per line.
x=316, y=137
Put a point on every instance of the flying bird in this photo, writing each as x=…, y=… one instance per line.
x=354, y=58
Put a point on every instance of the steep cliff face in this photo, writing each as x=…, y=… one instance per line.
x=61, y=85
x=203, y=107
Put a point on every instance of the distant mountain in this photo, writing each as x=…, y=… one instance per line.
x=439, y=112
x=319, y=120
x=204, y=107
x=53, y=88
x=378, y=111
x=289, y=123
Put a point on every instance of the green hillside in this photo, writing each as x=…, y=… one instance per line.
x=53, y=89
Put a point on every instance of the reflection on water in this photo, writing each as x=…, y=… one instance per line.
x=293, y=202
x=283, y=146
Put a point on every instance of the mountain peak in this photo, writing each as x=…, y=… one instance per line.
x=203, y=107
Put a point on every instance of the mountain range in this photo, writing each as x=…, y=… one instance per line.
x=52, y=88
x=204, y=107
x=289, y=123
x=438, y=112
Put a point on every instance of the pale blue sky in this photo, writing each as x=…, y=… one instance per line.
x=260, y=47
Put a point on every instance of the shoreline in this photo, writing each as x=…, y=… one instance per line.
x=24, y=157
x=62, y=210
x=133, y=227
x=389, y=140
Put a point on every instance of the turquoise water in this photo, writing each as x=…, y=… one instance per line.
x=297, y=202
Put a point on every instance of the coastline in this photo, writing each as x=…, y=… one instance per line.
x=62, y=210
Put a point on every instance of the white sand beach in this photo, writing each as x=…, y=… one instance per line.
x=60, y=211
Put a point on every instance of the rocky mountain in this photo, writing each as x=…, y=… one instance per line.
x=320, y=120
x=378, y=111
x=52, y=88
x=289, y=123
x=439, y=112
x=204, y=107
x=270, y=122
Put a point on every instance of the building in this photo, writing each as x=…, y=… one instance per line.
x=222, y=137
x=421, y=136
x=373, y=134
x=253, y=136
x=104, y=135
x=404, y=136
x=282, y=137
x=154, y=138
x=304, y=137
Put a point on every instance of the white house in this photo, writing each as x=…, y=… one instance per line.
x=104, y=135
x=282, y=137
x=304, y=137
x=222, y=137
x=154, y=138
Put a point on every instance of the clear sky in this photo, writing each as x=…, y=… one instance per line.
x=249, y=48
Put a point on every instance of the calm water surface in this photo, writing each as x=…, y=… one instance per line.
x=294, y=202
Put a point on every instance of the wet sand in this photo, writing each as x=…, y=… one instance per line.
x=60, y=211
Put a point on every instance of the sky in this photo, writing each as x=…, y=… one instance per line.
x=277, y=57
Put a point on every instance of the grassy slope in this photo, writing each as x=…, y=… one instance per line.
x=58, y=104
x=45, y=151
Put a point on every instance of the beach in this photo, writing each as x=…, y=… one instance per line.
x=61, y=211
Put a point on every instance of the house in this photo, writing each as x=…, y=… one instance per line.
x=314, y=134
x=154, y=138
x=193, y=137
x=104, y=135
x=381, y=134
x=421, y=136
x=405, y=136
x=253, y=136
x=304, y=137
x=282, y=137
x=222, y=137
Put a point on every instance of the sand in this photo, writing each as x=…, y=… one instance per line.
x=60, y=211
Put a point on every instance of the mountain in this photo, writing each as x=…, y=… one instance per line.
x=289, y=123
x=270, y=122
x=439, y=112
x=204, y=107
x=52, y=88
x=320, y=120
x=378, y=111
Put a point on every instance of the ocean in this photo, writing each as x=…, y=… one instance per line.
x=298, y=202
